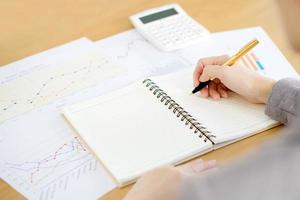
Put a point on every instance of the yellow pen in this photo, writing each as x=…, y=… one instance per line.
x=243, y=51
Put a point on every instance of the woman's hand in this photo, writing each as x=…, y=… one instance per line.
x=237, y=78
x=164, y=183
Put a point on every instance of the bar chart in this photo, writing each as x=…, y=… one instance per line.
x=252, y=61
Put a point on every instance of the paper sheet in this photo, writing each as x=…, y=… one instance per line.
x=41, y=157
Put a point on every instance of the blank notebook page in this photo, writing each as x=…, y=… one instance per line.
x=227, y=119
x=131, y=131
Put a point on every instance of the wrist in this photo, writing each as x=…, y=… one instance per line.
x=265, y=89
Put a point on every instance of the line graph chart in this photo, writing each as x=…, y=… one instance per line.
x=133, y=51
x=130, y=47
x=53, y=161
x=38, y=88
x=45, y=172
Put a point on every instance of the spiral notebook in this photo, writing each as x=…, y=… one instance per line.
x=156, y=121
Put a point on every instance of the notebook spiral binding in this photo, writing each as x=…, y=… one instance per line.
x=199, y=129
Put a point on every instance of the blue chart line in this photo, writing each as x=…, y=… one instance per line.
x=52, y=165
x=23, y=94
x=130, y=46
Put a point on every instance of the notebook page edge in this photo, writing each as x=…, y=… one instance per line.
x=222, y=143
x=77, y=131
x=131, y=179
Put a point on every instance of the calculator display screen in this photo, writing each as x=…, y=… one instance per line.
x=158, y=15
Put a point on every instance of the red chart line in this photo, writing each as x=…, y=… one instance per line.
x=54, y=157
x=64, y=149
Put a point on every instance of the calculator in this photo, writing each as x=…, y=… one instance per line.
x=169, y=27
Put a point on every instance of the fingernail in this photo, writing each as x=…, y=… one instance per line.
x=198, y=166
x=210, y=164
x=217, y=98
x=204, y=165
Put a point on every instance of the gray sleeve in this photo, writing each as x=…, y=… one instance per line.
x=284, y=102
x=272, y=172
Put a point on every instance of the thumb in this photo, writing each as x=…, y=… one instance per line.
x=197, y=166
x=212, y=72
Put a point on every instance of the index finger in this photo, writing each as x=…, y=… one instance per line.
x=215, y=60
